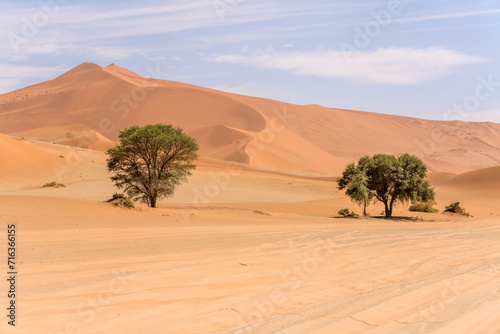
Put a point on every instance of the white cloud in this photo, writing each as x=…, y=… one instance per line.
x=13, y=76
x=447, y=16
x=389, y=66
x=74, y=27
x=8, y=85
x=109, y=52
x=490, y=115
x=246, y=89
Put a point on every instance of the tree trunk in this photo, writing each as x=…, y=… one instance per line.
x=391, y=204
x=364, y=209
x=152, y=201
x=388, y=210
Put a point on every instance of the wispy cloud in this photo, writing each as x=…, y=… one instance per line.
x=245, y=89
x=447, y=16
x=109, y=52
x=86, y=25
x=441, y=28
x=491, y=115
x=11, y=76
x=388, y=66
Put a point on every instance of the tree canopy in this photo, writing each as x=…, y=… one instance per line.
x=387, y=179
x=355, y=181
x=150, y=161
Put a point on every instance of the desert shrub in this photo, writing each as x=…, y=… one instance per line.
x=119, y=195
x=121, y=200
x=424, y=207
x=346, y=213
x=455, y=208
x=54, y=184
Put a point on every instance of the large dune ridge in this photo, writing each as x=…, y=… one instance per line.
x=245, y=129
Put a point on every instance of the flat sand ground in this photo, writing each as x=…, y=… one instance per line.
x=250, y=261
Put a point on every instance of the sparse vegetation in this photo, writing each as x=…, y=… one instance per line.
x=151, y=161
x=424, y=207
x=54, y=184
x=348, y=214
x=455, y=208
x=122, y=201
x=387, y=179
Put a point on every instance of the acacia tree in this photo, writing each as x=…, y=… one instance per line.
x=389, y=179
x=150, y=161
x=355, y=181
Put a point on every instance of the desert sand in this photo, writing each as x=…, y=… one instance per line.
x=252, y=242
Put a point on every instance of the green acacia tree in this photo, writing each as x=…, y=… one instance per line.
x=388, y=179
x=150, y=161
x=355, y=182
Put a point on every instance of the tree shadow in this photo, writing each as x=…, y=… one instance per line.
x=398, y=218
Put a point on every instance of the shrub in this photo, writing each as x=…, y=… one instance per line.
x=122, y=201
x=346, y=213
x=455, y=208
x=119, y=196
x=54, y=184
x=424, y=207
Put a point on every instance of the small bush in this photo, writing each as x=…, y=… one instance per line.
x=423, y=207
x=122, y=201
x=54, y=184
x=346, y=213
x=455, y=208
x=119, y=196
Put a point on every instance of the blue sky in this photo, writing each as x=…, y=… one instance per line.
x=434, y=59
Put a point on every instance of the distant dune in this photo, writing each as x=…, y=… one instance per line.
x=482, y=183
x=71, y=135
x=238, y=128
x=21, y=158
x=31, y=163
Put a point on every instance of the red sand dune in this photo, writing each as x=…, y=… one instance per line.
x=71, y=135
x=21, y=158
x=482, y=183
x=245, y=129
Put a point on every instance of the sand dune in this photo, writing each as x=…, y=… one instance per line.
x=21, y=158
x=71, y=135
x=482, y=183
x=108, y=99
x=28, y=164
